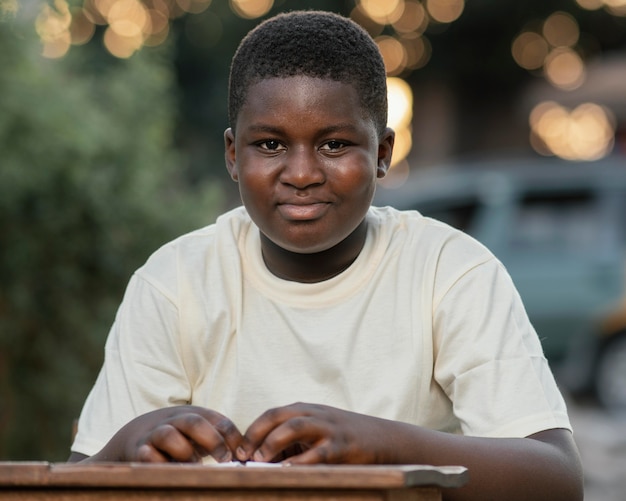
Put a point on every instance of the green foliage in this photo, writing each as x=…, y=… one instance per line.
x=89, y=186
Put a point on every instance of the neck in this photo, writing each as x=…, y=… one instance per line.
x=315, y=267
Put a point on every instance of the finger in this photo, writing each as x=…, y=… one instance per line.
x=203, y=437
x=294, y=431
x=225, y=427
x=148, y=454
x=261, y=427
x=230, y=434
x=168, y=440
x=323, y=452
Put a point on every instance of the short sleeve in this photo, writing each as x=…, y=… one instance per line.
x=142, y=368
x=489, y=360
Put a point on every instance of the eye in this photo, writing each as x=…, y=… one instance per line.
x=333, y=145
x=270, y=145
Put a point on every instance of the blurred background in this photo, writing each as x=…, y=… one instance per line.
x=511, y=124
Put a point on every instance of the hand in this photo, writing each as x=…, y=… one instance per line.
x=183, y=433
x=307, y=433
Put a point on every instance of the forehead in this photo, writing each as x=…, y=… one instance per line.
x=304, y=96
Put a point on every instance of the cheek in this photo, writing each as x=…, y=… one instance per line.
x=248, y=176
x=254, y=188
x=357, y=181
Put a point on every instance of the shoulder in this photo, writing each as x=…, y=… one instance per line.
x=427, y=236
x=431, y=251
x=227, y=225
x=195, y=250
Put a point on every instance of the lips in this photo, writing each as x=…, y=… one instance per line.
x=303, y=211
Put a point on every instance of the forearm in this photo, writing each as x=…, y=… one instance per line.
x=543, y=466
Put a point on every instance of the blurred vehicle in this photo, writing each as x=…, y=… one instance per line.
x=560, y=230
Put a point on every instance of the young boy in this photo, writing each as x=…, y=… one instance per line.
x=406, y=338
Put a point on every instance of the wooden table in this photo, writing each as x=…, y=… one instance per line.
x=38, y=481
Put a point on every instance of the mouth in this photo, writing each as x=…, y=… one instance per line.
x=303, y=211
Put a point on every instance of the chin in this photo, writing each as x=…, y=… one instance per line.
x=304, y=246
x=305, y=249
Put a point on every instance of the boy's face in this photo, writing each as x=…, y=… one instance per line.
x=306, y=157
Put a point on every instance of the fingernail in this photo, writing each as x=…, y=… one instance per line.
x=241, y=454
x=258, y=455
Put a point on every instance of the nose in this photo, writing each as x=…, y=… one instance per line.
x=302, y=168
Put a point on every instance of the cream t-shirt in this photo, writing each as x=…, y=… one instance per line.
x=424, y=327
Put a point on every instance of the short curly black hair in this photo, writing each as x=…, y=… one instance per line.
x=310, y=43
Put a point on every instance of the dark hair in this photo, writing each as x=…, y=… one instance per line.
x=310, y=43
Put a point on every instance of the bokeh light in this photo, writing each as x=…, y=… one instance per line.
x=359, y=16
x=530, y=50
x=53, y=27
x=159, y=28
x=251, y=9
x=128, y=18
x=194, y=6
x=92, y=12
x=590, y=4
x=418, y=51
x=383, y=11
x=445, y=11
x=413, y=19
x=553, y=49
x=400, y=98
x=615, y=7
x=584, y=133
x=133, y=24
x=402, y=146
x=394, y=54
x=120, y=45
x=561, y=30
x=102, y=7
x=564, y=68
x=81, y=28
x=409, y=49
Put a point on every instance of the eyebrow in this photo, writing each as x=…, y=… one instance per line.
x=266, y=128
x=340, y=127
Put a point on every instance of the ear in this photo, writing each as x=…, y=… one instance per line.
x=385, y=150
x=230, y=154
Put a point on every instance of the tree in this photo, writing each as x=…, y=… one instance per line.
x=89, y=186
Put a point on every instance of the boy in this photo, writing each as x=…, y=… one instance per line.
x=405, y=336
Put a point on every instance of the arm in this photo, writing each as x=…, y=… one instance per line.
x=542, y=466
x=183, y=433
x=142, y=382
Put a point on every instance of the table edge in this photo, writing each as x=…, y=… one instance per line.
x=190, y=476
